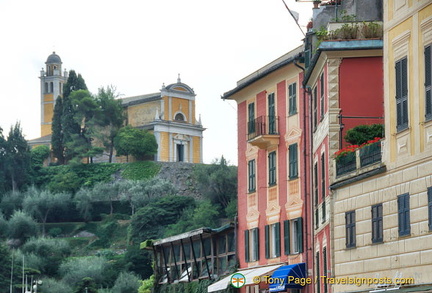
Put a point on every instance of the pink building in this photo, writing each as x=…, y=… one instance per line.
x=274, y=222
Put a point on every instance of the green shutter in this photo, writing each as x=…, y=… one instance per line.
x=428, y=81
x=277, y=239
x=287, y=237
x=300, y=234
x=247, y=259
x=267, y=241
x=256, y=243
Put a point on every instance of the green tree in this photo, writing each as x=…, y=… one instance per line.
x=3, y=226
x=362, y=133
x=40, y=203
x=203, y=215
x=141, y=192
x=38, y=155
x=57, y=131
x=2, y=162
x=55, y=286
x=22, y=226
x=74, y=270
x=126, y=283
x=218, y=182
x=11, y=202
x=84, y=203
x=66, y=126
x=150, y=221
x=85, y=109
x=110, y=118
x=86, y=285
x=5, y=267
x=51, y=251
x=147, y=285
x=74, y=82
x=17, y=158
x=136, y=142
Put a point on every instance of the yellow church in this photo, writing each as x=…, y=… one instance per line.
x=169, y=114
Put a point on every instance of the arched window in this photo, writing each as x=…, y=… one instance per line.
x=179, y=117
x=46, y=87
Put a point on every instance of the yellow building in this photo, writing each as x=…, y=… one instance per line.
x=383, y=214
x=52, y=80
x=170, y=115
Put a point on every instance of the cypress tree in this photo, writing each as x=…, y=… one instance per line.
x=57, y=131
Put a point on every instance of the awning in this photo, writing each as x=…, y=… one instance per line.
x=249, y=275
x=288, y=277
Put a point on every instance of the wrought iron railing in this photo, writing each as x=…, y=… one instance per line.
x=362, y=157
x=263, y=125
x=370, y=154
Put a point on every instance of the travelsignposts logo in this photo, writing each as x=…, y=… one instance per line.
x=238, y=280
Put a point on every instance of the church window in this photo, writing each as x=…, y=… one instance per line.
x=179, y=117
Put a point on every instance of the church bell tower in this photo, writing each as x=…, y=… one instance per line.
x=52, y=81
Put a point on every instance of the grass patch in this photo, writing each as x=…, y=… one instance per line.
x=140, y=170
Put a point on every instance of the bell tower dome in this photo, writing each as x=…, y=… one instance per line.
x=52, y=81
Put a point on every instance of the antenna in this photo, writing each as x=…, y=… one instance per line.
x=295, y=16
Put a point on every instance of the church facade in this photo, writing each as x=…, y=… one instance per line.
x=169, y=114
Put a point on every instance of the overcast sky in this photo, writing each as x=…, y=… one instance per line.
x=139, y=45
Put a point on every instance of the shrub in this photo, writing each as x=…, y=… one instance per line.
x=364, y=133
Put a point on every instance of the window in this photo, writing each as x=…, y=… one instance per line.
x=271, y=113
x=179, y=117
x=292, y=96
x=377, y=223
x=251, y=245
x=404, y=214
x=315, y=183
x=272, y=168
x=322, y=95
x=51, y=87
x=251, y=172
x=402, y=94
x=251, y=118
x=428, y=82
x=272, y=240
x=180, y=153
x=293, y=161
x=325, y=267
x=323, y=187
x=429, y=193
x=315, y=110
x=317, y=261
x=350, y=229
x=293, y=236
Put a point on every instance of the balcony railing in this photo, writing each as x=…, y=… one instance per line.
x=362, y=157
x=264, y=125
x=263, y=132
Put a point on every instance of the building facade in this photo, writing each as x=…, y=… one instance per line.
x=383, y=214
x=169, y=114
x=273, y=219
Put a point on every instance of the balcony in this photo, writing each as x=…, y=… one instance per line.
x=359, y=161
x=263, y=132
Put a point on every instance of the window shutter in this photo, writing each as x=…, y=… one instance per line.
x=300, y=234
x=429, y=192
x=400, y=214
x=246, y=239
x=267, y=241
x=287, y=237
x=428, y=81
x=277, y=239
x=407, y=215
x=256, y=243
